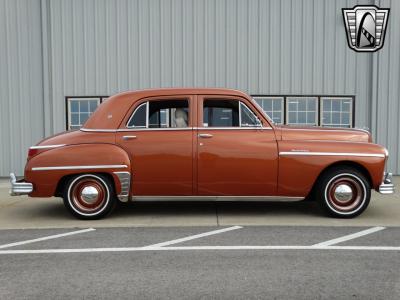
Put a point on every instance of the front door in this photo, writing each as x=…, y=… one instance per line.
x=237, y=153
x=159, y=138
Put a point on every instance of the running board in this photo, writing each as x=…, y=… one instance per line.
x=217, y=198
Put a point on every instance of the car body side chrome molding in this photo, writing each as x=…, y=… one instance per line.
x=79, y=167
x=173, y=129
x=218, y=198
x=46, y=146
x=331, y=154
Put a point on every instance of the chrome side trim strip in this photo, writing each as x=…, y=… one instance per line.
x=97, y=130
x=125, y=181
x=217, y=198
x=331, y=154
x=19, y=188
x=174, y=129
x=233, y=128
x=155, y=129
x=46, y=146
x=329, y=129
x=79, y=167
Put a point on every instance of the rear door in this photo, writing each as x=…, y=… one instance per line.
x=159, y=139
x=237, y=153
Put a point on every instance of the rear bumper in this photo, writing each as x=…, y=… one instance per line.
x=19, y=187
x=387, y=187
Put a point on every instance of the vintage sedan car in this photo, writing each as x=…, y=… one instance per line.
x=208, y=144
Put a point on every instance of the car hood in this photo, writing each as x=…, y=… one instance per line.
x=319, y=133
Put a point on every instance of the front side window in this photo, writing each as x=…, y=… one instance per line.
x=228, y=113
x=161, y=114
x=79, y=110
x=247, y=117
x=221, y=113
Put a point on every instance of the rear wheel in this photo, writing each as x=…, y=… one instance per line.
x=89, y=196
x=343, y=192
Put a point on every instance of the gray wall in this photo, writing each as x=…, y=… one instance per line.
x=21, y=84
x=59, y=48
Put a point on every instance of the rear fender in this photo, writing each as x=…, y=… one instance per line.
x=46, y=169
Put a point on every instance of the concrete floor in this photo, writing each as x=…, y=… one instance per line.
x=23, y=212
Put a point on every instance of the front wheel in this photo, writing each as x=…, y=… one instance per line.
x=89, y=196
x=343, y=192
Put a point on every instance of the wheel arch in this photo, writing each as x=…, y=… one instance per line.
x=343, y=163
x=63, y=181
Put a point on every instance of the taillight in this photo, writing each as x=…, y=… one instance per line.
x=35, y=150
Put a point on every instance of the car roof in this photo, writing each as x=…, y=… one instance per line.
x=183, y=91
x=110, y=113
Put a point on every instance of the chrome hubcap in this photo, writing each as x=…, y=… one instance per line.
x=343, y=193
x=89, y=194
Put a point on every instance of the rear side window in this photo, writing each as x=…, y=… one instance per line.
x=161, y=114
x=138, y=118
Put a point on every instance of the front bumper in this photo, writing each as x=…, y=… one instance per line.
x=387, y=187
x=19, y=187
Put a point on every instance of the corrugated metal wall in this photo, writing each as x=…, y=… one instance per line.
x=21, y=86
x=101, y=47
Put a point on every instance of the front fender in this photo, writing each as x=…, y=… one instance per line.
x=46, y=169
x=301, y=162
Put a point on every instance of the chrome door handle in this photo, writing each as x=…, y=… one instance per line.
x=205, y=135
x=129, y=137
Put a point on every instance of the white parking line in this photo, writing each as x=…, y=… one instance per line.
x=50, y=237
x=199, y=248
x=349, y=237
x=192, y=237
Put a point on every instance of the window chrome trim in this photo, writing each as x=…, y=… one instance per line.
x=53, y=168
x=241, y=104
x=303, y=153
x=47, y=146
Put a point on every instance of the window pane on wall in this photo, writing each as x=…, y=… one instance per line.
x=84, y=106
x=75, y=106
x=336, y=112
x=272, y=106
x=93, y=105
x=302, y=110
x=79, y=110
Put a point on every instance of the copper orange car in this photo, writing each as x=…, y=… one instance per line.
x=189, y=144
